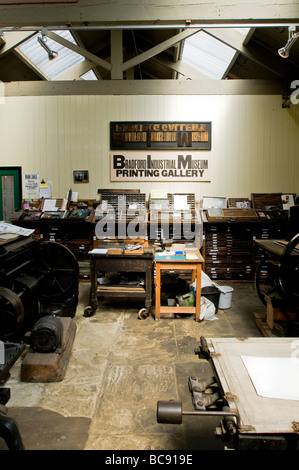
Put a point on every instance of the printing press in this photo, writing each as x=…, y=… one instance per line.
x=252, y=384
x=251, y=387
x=38, y=286
x=277, y=284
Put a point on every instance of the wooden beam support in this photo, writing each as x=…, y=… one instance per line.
x=139, y=13
x=116, y=54
x=159, y=48
x=145, y=87
x=188, y=72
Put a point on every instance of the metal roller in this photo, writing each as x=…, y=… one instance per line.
x=170, y=412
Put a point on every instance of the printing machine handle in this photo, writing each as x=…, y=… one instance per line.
x=171, y=412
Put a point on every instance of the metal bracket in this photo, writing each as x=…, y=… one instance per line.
x=200, y=398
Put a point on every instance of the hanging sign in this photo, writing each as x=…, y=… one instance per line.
x=160, y=135
x=160, y=166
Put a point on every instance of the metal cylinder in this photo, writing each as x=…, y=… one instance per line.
x=169, y=412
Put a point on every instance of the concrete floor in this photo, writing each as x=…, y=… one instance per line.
x=120, y=367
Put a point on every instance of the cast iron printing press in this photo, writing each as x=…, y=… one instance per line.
x=38, y=285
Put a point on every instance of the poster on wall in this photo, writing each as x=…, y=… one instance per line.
x=160, y=166
x=155, y=135
x=30, y=186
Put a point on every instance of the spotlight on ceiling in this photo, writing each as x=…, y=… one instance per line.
x=43, y=42
x=284, y=51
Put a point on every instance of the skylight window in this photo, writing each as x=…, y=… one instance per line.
x=207, y=54
x=66, y=58
x=90, y=75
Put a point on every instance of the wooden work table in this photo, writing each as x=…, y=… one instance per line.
x=140, y=263
x=193, y=265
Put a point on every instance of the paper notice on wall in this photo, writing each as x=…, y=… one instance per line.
x=45, y=190
x=30, y=186
x=274, y=377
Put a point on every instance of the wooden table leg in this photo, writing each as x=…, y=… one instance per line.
x=198, y=291
x=93, y=299
x=158, y=291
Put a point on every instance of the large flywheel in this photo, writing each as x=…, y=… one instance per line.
x=61, y=271
x=280, y=276
x=289, y=271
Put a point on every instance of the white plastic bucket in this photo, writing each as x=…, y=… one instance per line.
x=225, y=298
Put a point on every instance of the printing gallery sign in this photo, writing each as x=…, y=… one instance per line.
x=159, y=166
x=161, y=151
x=160, y=135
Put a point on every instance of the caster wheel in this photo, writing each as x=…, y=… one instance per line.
x=143, y=313
x=88, y=311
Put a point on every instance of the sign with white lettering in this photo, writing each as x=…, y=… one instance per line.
x=160, y=135
x=160, y=166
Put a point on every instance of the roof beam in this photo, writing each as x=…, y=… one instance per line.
x=88, y=55
x=159, y=48
x=159, y=12
x=188, y=72
x=145, y=87
x=116, y=54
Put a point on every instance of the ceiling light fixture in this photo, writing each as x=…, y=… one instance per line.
x=284, y=51
x=43, y=42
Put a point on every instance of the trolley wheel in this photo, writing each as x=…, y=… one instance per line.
x=143, y=313
x=89, y=311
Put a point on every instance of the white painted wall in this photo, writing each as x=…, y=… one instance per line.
x=255, y=143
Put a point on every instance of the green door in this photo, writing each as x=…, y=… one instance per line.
x=10, y=191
